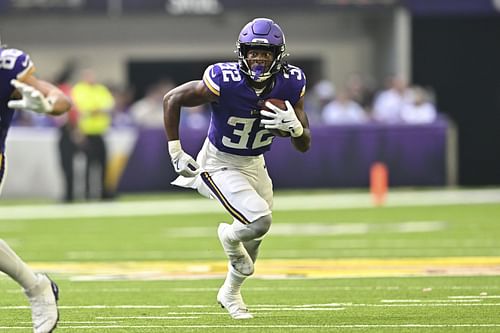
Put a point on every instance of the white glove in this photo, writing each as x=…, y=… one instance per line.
x=183, y=164
x=32, y=99
x=284, y=120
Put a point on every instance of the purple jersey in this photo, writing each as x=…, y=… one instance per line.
x=235, y=123
x=14, y=64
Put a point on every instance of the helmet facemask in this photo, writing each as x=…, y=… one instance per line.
x=266, y=35
x=259, y=72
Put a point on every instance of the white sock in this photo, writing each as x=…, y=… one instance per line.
x=234, y=280
x=13, y=266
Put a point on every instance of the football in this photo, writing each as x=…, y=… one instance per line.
x=280, y=104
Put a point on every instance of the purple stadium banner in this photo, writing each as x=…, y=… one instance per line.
x=340, y=157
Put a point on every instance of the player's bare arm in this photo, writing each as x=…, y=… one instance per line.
x=189, y=94
x=303, y=142
x=57, y=102
x=21, y=90
x=192, y=93
x=61, y=103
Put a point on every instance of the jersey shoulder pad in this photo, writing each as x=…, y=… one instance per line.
x=222, y=74
x=17, y=62
x=212, y=78
x=296, y=77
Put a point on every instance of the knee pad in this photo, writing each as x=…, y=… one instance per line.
x=255, y=230
x=261, y=226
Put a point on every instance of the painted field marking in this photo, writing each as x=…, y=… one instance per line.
x=151, y=317
x=198, y=313
x=83, y=307
x=311, y=201
x=321, y=229
x=409, y=305
x=262, y=307
x=275, y=268
x=68, y=322
x=295, y=309
x=266, y=289
x=180, y=315
x=475, y=297
x=429, y=301
x=93, y=307
x=368, y=326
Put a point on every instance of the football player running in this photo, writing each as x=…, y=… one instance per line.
x=20, y=89
x=230, y=166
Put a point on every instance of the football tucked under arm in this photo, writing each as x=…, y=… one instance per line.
x=279, y=118
x=280, y=104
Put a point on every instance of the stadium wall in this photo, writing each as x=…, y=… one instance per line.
x=346, y=41
x=138, y=161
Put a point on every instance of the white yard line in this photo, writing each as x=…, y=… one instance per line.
x=313, y=228
x=470, y=298
x=177, y=315
x=265, y=307
x=266, y=289
x=151, y=317
x=429, y=301
x=305, y=201
x=113, y=322
x=409, y=305
x=225, y=326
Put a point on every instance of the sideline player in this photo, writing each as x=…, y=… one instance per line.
x=20, y=89
x=230, y=167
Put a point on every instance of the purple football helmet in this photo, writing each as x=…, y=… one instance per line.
x=261, y=33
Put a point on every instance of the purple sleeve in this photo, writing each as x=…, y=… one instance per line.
x=14, y=64
x=212, y=78
x=298, y=78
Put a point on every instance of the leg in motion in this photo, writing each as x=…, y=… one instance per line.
x=234, y=249
x=40, y=290
x=233, y=239
x=252, y=247
x=229, y=295
x=238, y=193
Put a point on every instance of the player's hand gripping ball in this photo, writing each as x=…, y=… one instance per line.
x=280, y=104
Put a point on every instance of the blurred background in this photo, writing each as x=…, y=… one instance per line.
x=414, y=84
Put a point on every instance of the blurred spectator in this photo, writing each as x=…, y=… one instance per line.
x=390, y=102
x=343, y=110
x=196, y=117
x=94, y=102
x=360, y=90
x=147, y=112
x=321, y=94
x=420, y=110
x=121, y=116
x=69, y=135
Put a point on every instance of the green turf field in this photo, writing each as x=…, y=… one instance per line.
x=426, y=262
